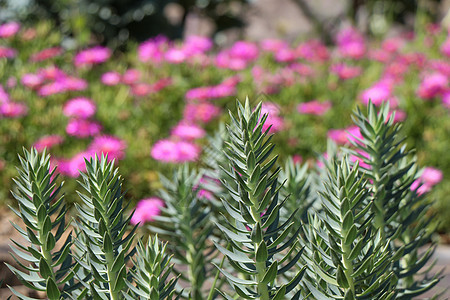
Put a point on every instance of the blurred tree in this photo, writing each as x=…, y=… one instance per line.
x=115, y=21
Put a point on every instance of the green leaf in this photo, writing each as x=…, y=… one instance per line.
x=341, y=278
x=44, y=268
x=280, y=294
x=107, y=243
x=256, y=235
x=53, y=292
x=271, y=273
x=50, y=241
x=261, y=252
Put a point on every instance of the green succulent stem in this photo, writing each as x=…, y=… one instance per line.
x=213, y=286
x=192, y=266
x=263, y=291
x=111, y=275
x=348, y=264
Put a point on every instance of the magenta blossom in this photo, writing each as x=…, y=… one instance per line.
x=378, y=93
x=6, y=52
x=110, y=78
x=244, y=50
x=314, y=107
x=345, y=71
x=9, y=29
x=429, y=177
x=51, y=88
x=73, y=83
x=351, y=43
x=95, y=55
x=83, y=128
x=48, y=142
x=146, y=210
x=81, y=107
x=165, y=151
x=276, y=123
x=108, y=145
x=73, y=166
x=200, y=112
x=31, y=80
x=195, y=44
x=273, y=45
x=344, y=136
x=46, y=54
x=432, y=85
x=188, y=131
x=445, y=47
x=131, y=76
x=141, y=89
x=175, y=56
x=13, y=109
x=175, y=152
x=152, y=50
x=187, y=151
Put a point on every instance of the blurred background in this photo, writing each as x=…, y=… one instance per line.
x=114, y=22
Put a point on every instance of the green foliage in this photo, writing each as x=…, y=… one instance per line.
x=187, y=224
x=50, y=268
x=346, y=258
x=150, y=272
x=400, y=213
x=105, y=245
x=257, y=240
x=358, y=239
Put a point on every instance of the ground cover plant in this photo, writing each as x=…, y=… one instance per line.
x=352, y=244
x=151, y=107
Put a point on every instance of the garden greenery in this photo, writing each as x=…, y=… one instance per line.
x=353, y=233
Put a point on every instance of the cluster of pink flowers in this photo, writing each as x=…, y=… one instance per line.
x=52, y=80
x=175, y=151
x=429, y=177
x=46, y=54
x=238, y=56
x=146, y=210
x=345, y=136
x=92, y=56
x=226, y=88
x=433, y=85
x=10, y=109
x=314, y=107
x=80, y=110
x=47, y=142
x=351, y=43
x=274, y=120
x=111, y=146
x=9, y=29
x=345, y=71
x=132, y=78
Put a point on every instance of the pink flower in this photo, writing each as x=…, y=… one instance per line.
x=131, y=76
x=432, y=85
x=273, y=45
x=285, y=55
x=445, y=47
x=82, y=128
x=73, y=83
x=6, y=52
x=46, y=54
x=312, y=50
x=110, y=78
x=188, y=131
x=146, y=210
x=4, y=97
x=95, y=55
x=73, y=166
x=226, y=61
x=200, y=112
x=141, y=89
x=446, y=99
x=152, y=50
x=186, y=151
x=276, y=122
x=344, y=136
x=13, y=109
x=81, y=107
x=393, y=44
x=297, y=159
x=431, y=176
x=108, y=145
x=51, y=73
x=195, y=44
x=351, y=43
x=345, y=71
x=378, y=93
x=270, y=109
x=314, y=107
x=175, y=56
x=244, y=50
x=32, y=81
x=355, y=158
x=9, y=29
x=48, y=141
x=175, y=152
x=51, y=89
x=165, y=151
